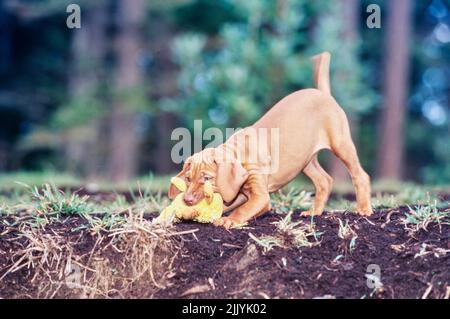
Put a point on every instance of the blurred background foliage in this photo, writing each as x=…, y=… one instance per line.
x=101, y=102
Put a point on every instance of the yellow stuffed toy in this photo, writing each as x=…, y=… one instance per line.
x=202, y=212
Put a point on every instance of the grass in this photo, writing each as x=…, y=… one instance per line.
x=289, y=234
x=419, y=217
x=41, y=206
x=348, y=235
x=49, y=201
x=11, y=182
x=290, y=198
x=409, y=194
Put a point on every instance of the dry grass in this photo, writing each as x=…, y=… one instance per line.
x=66, y=246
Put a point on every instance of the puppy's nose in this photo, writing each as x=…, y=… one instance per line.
x=188, y=199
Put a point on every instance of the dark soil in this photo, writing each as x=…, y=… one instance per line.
x=216, y=263
x=312, y=272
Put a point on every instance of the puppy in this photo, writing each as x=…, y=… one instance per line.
x=249, y=165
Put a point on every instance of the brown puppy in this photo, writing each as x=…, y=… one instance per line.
x=264, y=157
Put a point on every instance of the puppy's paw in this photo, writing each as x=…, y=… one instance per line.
x=366, y=211
x=308, y=213
x=227, y=222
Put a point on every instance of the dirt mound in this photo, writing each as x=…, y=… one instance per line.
x=68, y=260
x=411, y=265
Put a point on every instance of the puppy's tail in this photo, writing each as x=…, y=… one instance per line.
x=322, y=71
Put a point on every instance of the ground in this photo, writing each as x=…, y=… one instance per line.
x=105, y=246
x=233, y=266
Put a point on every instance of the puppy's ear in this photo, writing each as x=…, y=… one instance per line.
x=230, y=178
x=173, y=190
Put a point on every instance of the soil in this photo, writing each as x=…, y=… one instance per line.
x=216, y=263
x=313, y=272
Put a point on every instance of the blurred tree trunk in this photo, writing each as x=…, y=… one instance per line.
x=350, y=17
x=123, y=137
x=82, y=144
x=396, y=75
x=166, y=86
x=165, y=124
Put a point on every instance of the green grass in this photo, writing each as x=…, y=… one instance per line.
x=419, y=217
x=409, y=194
x=289, y=234
x=347, y=234
x=13, y=182
x=40, y=206
x=45, y=196
x=289, y=198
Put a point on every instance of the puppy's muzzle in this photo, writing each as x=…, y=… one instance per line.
x=191, y=199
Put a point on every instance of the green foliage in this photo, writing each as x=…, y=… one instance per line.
x=191, y=15
x=254, y=62
x=236, y=59
x=78, y=111
x=234, y=78
x=439, y=173
x=135, y=99
x=348, y=76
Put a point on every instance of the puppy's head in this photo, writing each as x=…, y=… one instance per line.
x=213, y=165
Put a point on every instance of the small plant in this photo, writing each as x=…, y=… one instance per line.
x=289, y=233
x=348, y=235
x=285, y=201
x=422, y=216
x=267, y=242
x=299, y=232
x=50, y=201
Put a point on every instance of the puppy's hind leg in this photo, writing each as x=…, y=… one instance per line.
x=323, y=184
x=343, y=147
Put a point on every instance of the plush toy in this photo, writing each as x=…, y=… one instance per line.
x=206, y=211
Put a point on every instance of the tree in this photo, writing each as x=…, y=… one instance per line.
x=165, y=71
x=123, y=138
x=396, y=76
x=82, y=136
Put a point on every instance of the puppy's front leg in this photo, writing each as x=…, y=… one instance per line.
x=258, y=203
